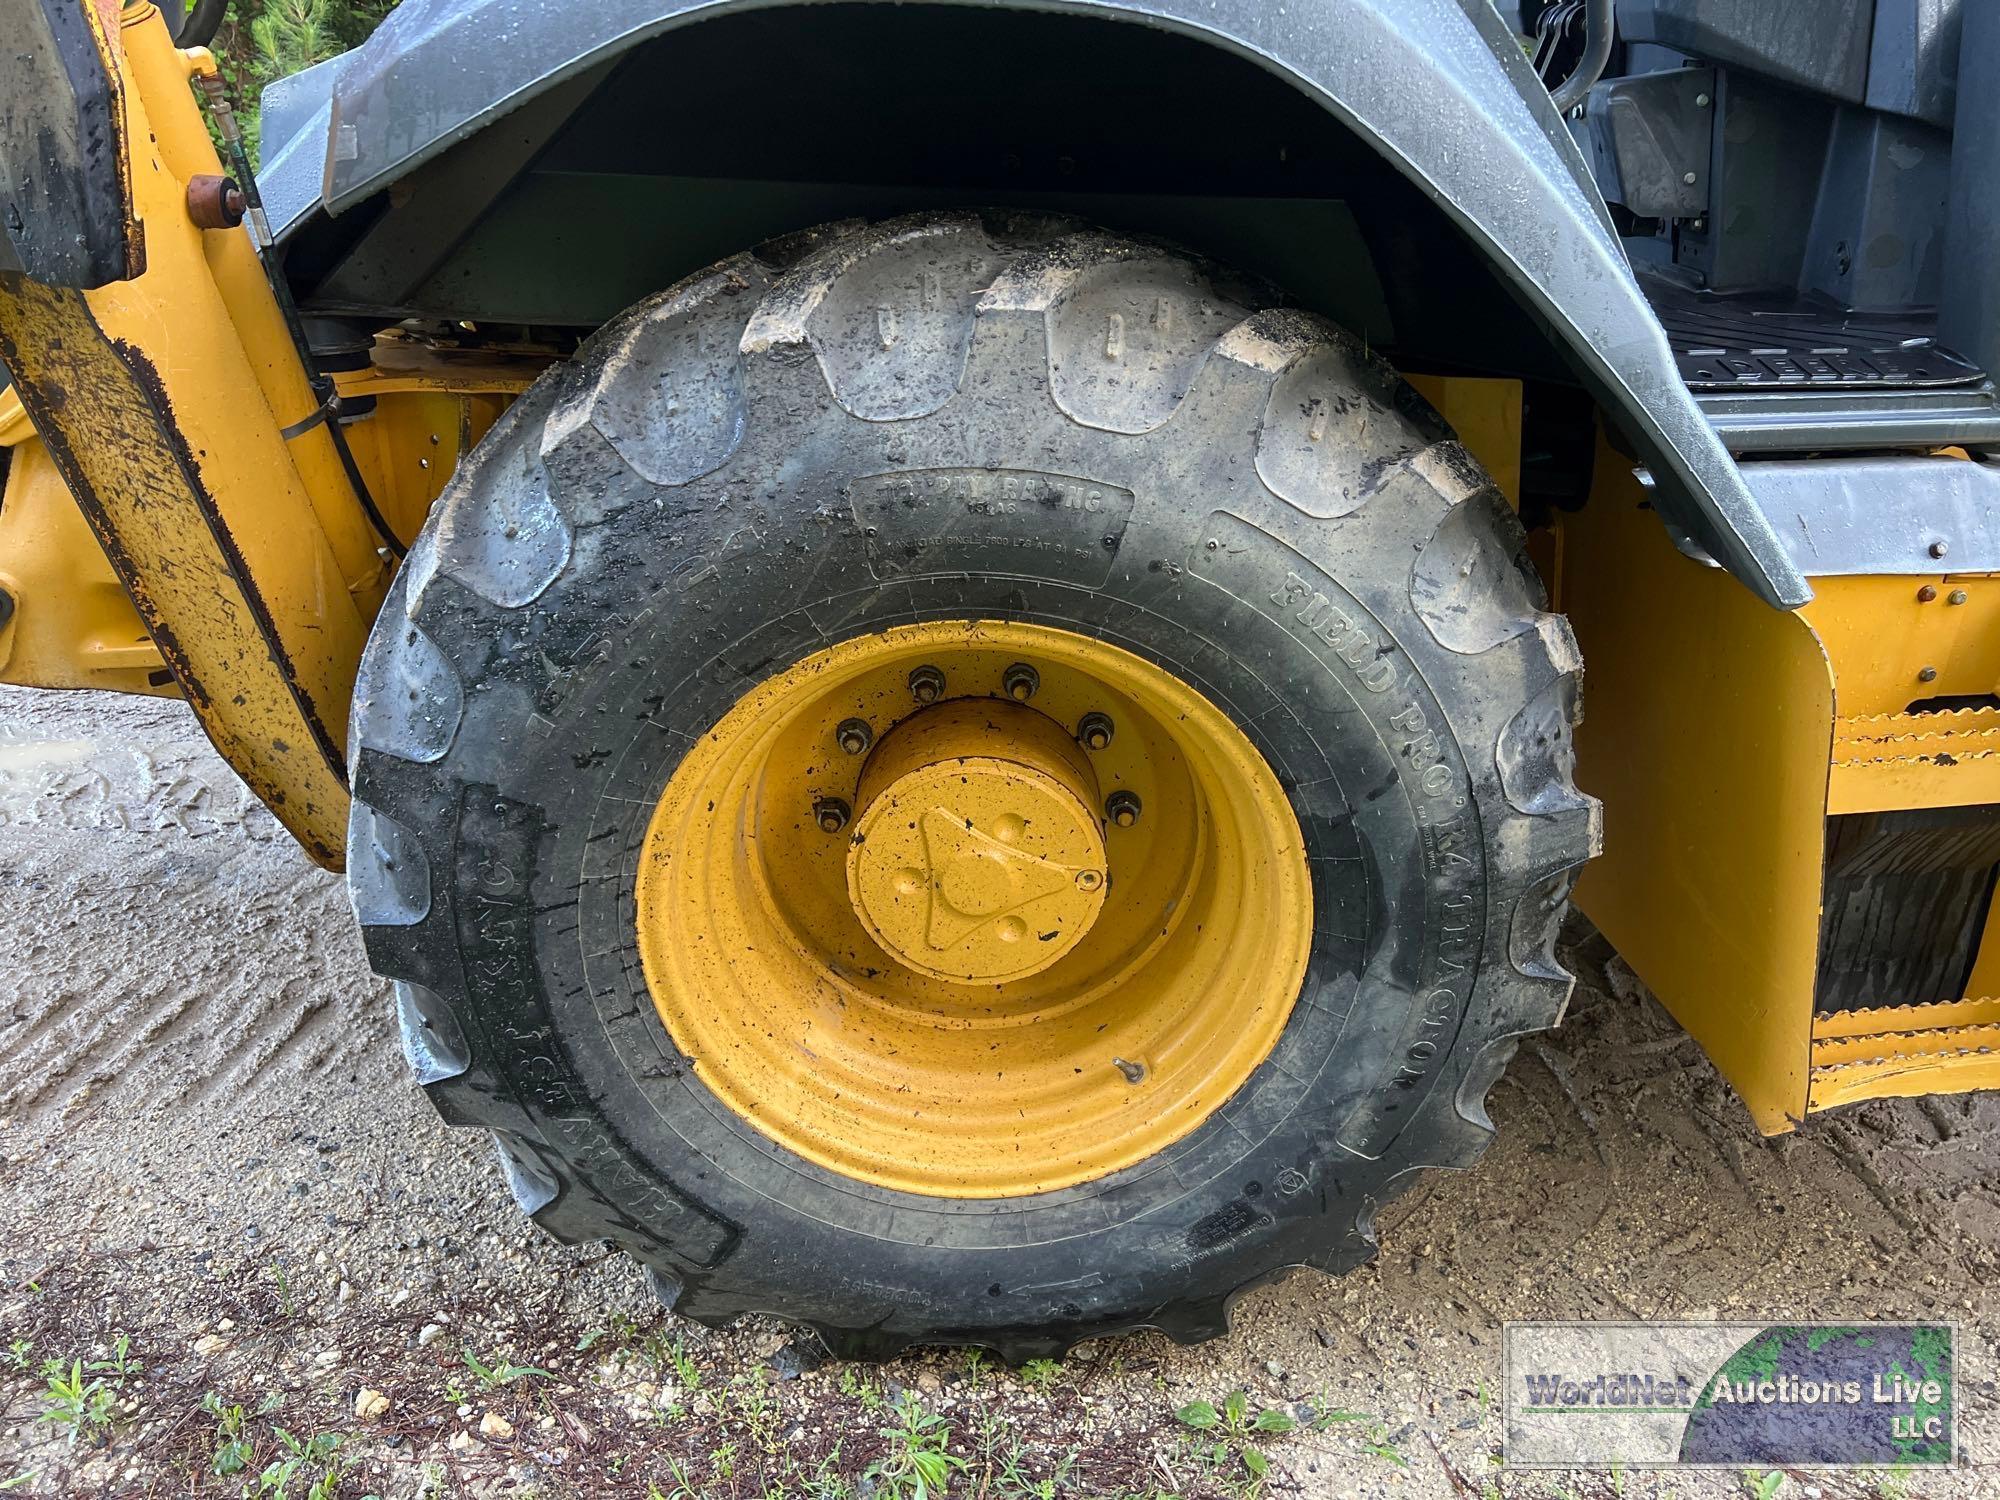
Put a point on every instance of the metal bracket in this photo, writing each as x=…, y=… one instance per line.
x=1872, y=516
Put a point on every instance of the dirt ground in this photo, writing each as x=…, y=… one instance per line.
x=239, y=1254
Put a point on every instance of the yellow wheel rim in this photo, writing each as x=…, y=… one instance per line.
x=974, y=909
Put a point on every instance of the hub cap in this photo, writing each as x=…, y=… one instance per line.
x=978, y=857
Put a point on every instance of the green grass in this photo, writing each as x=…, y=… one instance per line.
x=306, y=1468
x=1231, y=1436
x=919, y=1464
x=500, y=1372
x=1042, y=1374
x=78, y=1403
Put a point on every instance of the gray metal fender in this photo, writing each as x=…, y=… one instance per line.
x=1439, y=87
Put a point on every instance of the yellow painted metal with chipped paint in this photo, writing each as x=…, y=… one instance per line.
x=1899, y=1051
x=863, y=1037
x=160, y=400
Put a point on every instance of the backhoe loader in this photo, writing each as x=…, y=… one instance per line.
x=945, y=643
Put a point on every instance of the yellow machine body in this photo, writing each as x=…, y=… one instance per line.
x=174, y=408
x=168, y=417
x=1722, y=736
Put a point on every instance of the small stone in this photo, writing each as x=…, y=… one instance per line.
x=223, y=1325
x=210, y=1343
x=428, y=1334
x=327, y=1357
x=459, y=1442
x=370, y=1403
x=798, y=1358
x=345, y=1294
x=495, y=1427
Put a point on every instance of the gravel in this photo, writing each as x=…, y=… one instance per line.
x=208, y=1148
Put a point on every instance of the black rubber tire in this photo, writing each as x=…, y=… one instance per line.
x=744, y=469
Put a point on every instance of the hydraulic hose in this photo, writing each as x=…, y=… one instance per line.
x=322, y=384
x=1598, y=32
x=199, y=26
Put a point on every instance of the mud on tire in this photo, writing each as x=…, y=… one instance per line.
x=813, y=442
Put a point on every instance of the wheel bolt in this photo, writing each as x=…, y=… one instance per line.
x=1095, y=731
x=1958, y=596
x=854, y=736
x=1122, y=808
x=1088, y=880
x=927, y=684
x=831, y=814
x=1927, y=593
x=1021, y=681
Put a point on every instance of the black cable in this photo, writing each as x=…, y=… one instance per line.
x=322, y=384
x=199, y=26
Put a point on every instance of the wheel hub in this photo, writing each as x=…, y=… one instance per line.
x=973, y=908
x=977, y=856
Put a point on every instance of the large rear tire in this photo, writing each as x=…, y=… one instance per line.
x=872, y=439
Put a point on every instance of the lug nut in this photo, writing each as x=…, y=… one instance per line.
x=854, y=736
x=1021, y=682
x=1122, y=808
x=831, y=814
x=1088, y=880
x=1095, y=731
x=927, y=684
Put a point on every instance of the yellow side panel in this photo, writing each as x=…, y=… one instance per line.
x=71, y=625
x=408, y=447
x=1708, y=719
x=1896, y=647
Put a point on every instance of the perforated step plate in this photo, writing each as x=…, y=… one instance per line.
x=1749, y=341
